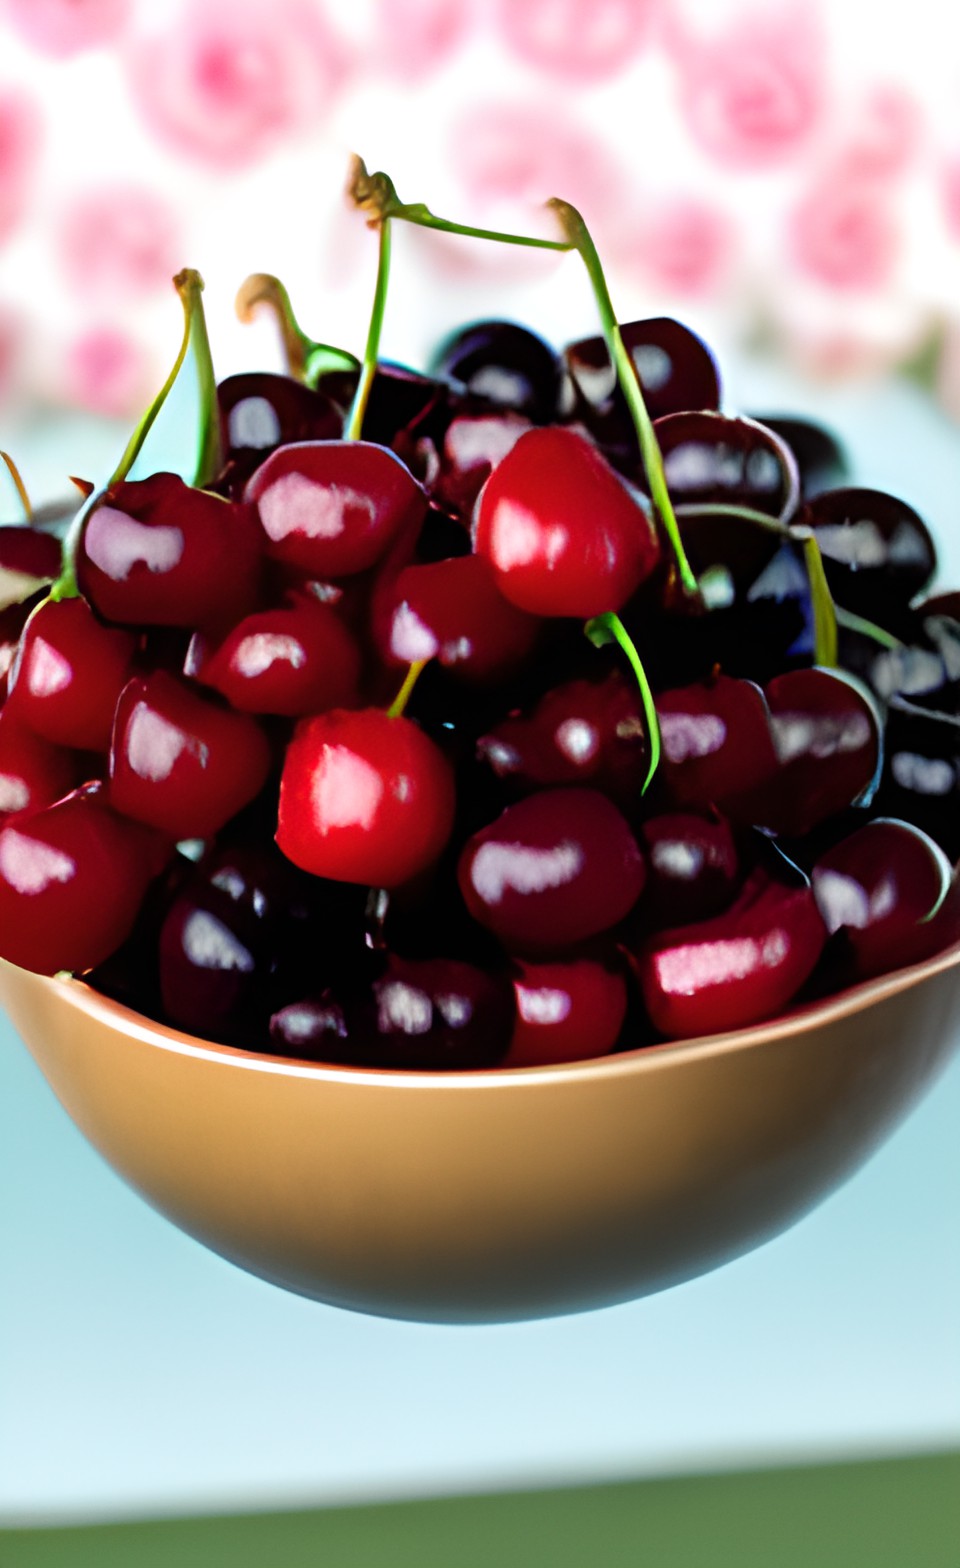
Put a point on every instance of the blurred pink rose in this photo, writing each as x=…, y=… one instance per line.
x=229, y=80
x=844, y=233
x=119, y=240
x=20, y=137
x=887, y=131
x=413, y=37
x=680, y=244
x=106, y=372
x=754, y=94
x=64, y=27
x=585, y=39
x=525, y=152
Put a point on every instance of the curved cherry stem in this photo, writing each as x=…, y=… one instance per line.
x=19, y=486
x=608, y=628
x=870, y=629
x=376, y=195
x=306, y=359
x=371, y=353
x=399, y=703
x=581, y=241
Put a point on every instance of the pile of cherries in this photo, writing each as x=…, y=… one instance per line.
x=319, y=762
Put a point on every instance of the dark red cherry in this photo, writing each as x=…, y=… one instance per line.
x=717, y=742
x=473, y=444
x=364, y=798
x=582, y=732
x=72, y=879
x=33, y=773
x=181, y=762
x=736, y=969
x=821, y=460
x=505, y=364
x=438, y=1014
x=260, y=411
x=921, y=771
x=693, y=867
x=553, y=869
x=153, y=553
x=566, y=1012
x=877, y=552
x=881, y=887
x=68, y=674
x=453, y=611
x=563, y=533
x=293, y=660
x=332, y=508
x=29, y=560
x=404, y=404
x=710, y=457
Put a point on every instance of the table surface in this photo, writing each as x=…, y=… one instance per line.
x=141, y=1374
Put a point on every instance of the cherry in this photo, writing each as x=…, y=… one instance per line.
x=736, y=969
x=553, y=869
x=473, y=445
x=29, y=559
x=505, y=364
x=260, y=412
x=453, y=611
x=921, y=771
x=72, y=878
x=333, y=508
x=404, y=404
x=712, y=457
x=68, y=674
x=717, y=742
x=153, y=553
x=562, y=532
x=693, y=867
x=293, y=660
x=566, y=1012
x=821, y=460
x=364, y=797
x=434, y=1014
x=581, y=732
x=33, y=772
x=877, y=552
x=180, y=761
x=881, y=886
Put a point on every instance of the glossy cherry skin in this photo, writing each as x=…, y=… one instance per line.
x=877, y=552
x=28, y=560
x=717, y=742
x=693, y=867
x=826, y=733
x=921, y=771
x=566, y=1012
x=581, y=732
x=563, y=533
x=453, y=611
x=473, y=444
x=260, y=412
x=736, y=969
x=714, y=457
x=181, y=762
x=68, y=674
x=552, y=870
x=296, y=659
x=881, y=886
x=33, y=772
x=333, y=508
x=364, y=798
x=436, y=1014
x=72, y=879
x=153, y=553
x=506, y=365
x=821, y=460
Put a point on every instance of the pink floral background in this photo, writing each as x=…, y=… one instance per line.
x=784, y=174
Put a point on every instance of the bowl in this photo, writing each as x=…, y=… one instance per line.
x=498, y=1195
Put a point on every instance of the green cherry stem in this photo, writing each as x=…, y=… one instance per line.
x=19, y=486
x=824, y=610
x=306, y=359
x=376, y=195
x=358, y=408
x=399, y=703
x=857, y=623
x=608, y=628
x=581, y=241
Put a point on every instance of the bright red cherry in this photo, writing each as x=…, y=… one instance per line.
x=563, y=533
x=33, y=772
x=736, y=969
x=453, y=611
x=566, y=1012
x=72, y=879
x=364, y=797
x=157, y=552
x=28, y=560
x=552, y=870
x=181, y=762
x=332, y=508
x=293, y=660
x=717, y=741
x=68, y=673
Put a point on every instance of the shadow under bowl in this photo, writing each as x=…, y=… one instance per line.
x=500, y=1195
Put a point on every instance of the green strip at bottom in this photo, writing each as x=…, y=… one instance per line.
x=893, y=1513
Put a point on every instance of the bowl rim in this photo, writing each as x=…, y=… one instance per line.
x=646, y=1058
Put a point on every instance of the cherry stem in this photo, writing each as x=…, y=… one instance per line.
x=745, y=514
x=306, y=359
x=824, y=610
x=581, y=240
x=19, y=486
x=857, y=623
x=608, y=628
x=400, y=701
x=376, y=195
x=368, y=370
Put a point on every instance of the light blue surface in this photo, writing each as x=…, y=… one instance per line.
x=140, y=1373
